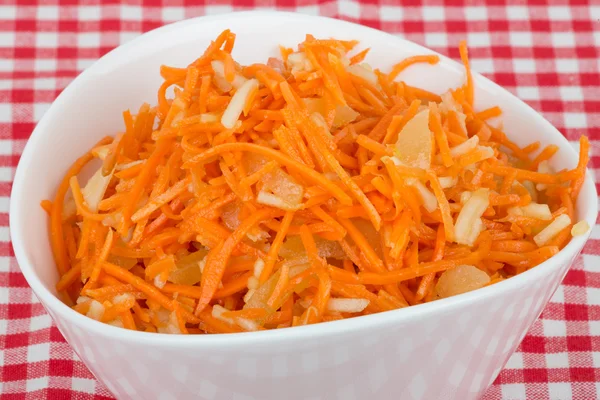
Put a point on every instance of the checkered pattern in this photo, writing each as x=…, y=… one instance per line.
x=546, y=52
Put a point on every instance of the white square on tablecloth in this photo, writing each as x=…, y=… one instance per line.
x=83, y=385
x=566, y=65
x=557, y=360
x=44, y=84
x=8, y=12
x=5, y=112
x=554, y=328
x=88, y=39
x=524, y=65
x=591, y=263
x=44, y=64
x=563, y=39
x=575, y=120
x=4, y=232
x=351, y=9
x=517, y=13
x=6, y=65
x=4, y=261
x=131, y=13
x=38, y=352
x=528, y=92
x=213, y=10
x=571, y=93
x=40, y=322
x=593, y=296
x=89, y=13
x=560, y=391
x=478, y=39
x=7, y=39
x=559, y=13
x=49, y=13
x=46, y=39
x=4, y=297
x=4, y=203
x=513, y=391
x=433, y=13
x=521, y=39
x=170, y=14
x=391, y=13
x=435, y=39
x=37, y=384
x=476, y=13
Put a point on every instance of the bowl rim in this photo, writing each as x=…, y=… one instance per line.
x=356, y=325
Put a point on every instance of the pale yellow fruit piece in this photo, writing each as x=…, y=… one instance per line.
x=415, y=142
x=188, y=269
x=461, y=279
x=261, y=295
x=343, y=114
x=293, y=248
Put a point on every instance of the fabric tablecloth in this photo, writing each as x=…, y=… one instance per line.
x=546, y=52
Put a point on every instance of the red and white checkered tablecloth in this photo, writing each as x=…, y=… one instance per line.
x=547, y=52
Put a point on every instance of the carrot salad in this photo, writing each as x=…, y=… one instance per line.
x=306, y=189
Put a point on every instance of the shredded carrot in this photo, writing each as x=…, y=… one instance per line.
x=104, y=252
x=47, y=206
x=127, y=319
x=440, y=136
x=275, y=246
x=359, y=57
x=584, y=157
x=267, y=196
x=469, y=88
x=401, y=66
x=438, y=254
x=233, y=286
x=69, y=278
x=489, y=113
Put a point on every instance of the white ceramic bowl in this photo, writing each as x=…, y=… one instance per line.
x=447, y=349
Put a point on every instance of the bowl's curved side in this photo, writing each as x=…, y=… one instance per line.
x=454, y=354
x=132, y=71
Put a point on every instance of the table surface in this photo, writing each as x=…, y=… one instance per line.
x=546, y=53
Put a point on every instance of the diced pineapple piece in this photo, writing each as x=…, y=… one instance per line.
x=415, y=142
x=461, y=279
x=343, y=114
x=281, y=190
x=188, y=269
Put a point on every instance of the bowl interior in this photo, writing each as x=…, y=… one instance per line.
x=91, y=107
